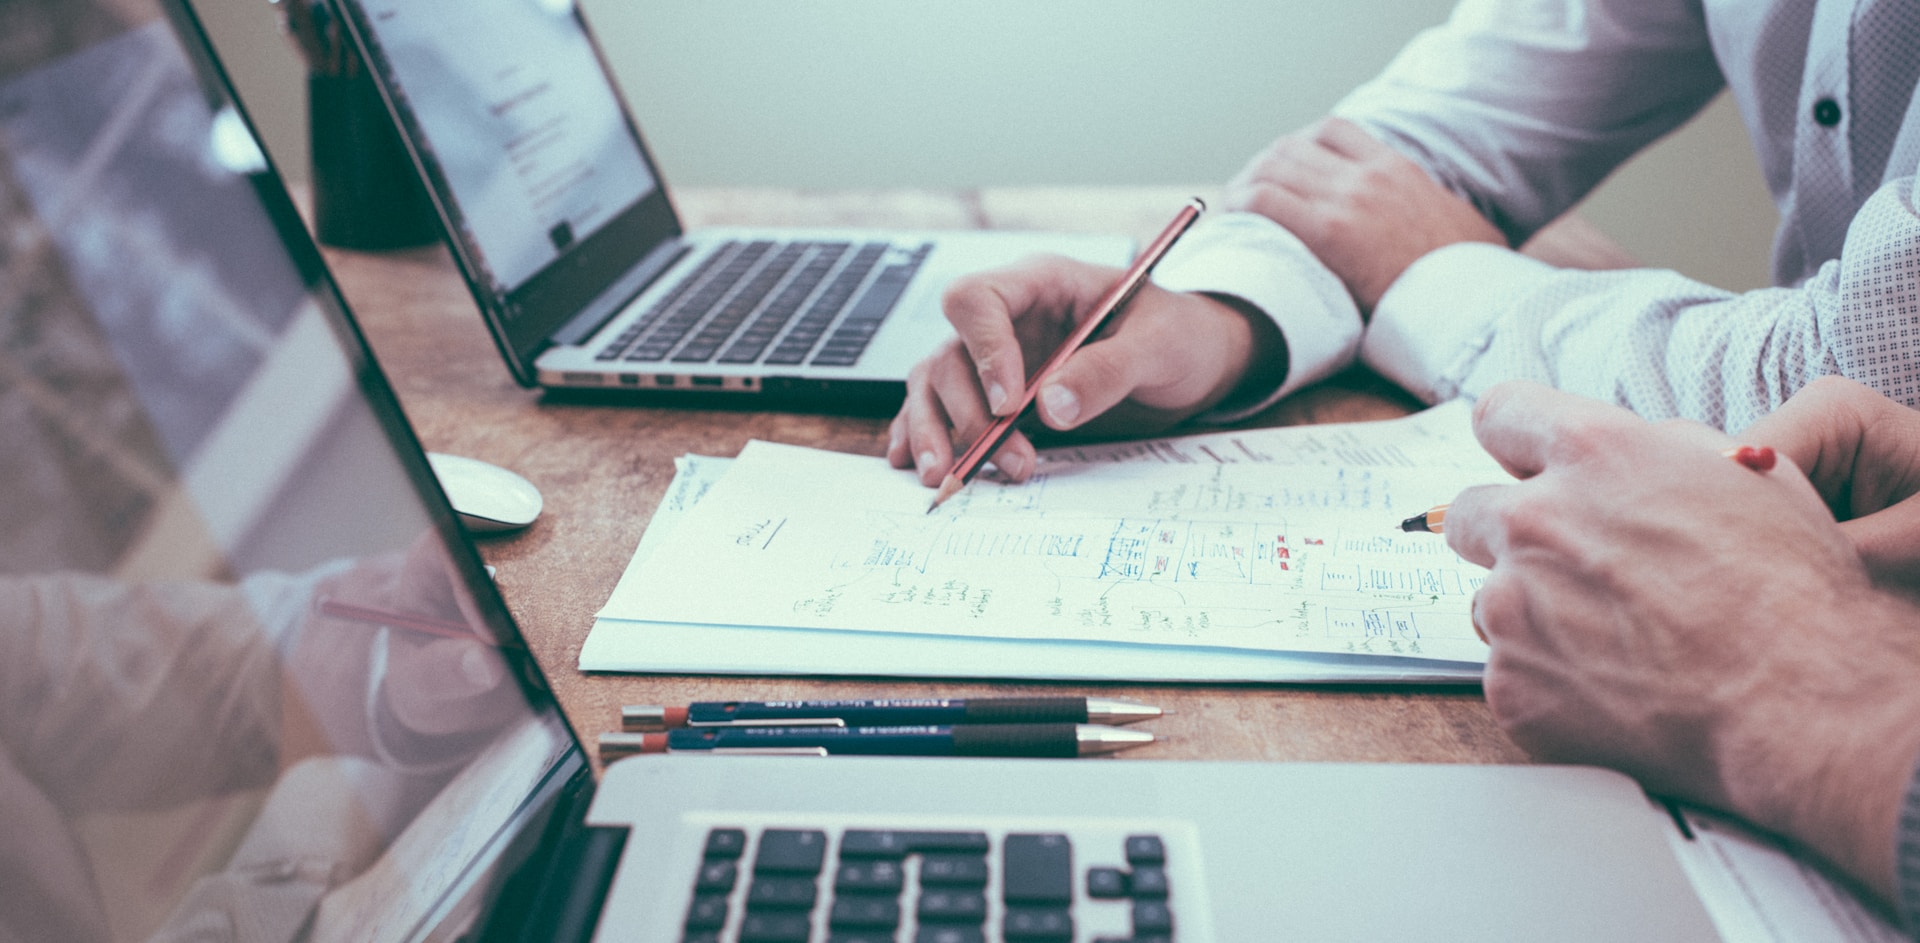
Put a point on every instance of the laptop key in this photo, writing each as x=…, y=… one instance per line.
x=881, y=875
x=873, y=843
x=1037, y=923
x=1145, y=849
x=953, y=870
x=708, y=912
x=862, y=936
x=1037, y=869
x=1152, y=918
x=726, y=843
x=777, y=892
x=1148, y=881
x=864, y=912
x=776, y=926
x=790, y=851
x=1106, y=883
x=943, y=906
x=715, y=877
x=950, y=935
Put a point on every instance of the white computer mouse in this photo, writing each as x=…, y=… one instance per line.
x=488, y=498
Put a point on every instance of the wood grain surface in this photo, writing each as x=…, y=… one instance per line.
x=603, y=468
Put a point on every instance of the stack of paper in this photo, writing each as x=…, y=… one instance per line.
x=1271, y=555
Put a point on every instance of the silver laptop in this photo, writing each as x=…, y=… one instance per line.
x=569, y=240
x=256, y=685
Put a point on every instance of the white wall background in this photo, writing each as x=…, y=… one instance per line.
x=947, y=93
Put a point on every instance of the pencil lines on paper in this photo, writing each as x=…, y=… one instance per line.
x=1282, y=549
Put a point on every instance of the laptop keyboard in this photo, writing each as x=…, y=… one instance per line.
x=775, y=303
x=864, y=885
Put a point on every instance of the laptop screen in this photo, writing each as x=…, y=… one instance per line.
x=546, y=190
x=253, y=685
x=525, y=127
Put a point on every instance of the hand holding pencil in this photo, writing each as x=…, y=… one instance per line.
x=1166, y=356
x=976, y=455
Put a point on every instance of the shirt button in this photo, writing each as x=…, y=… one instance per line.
x=1826, y=111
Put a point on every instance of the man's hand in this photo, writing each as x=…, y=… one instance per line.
x=1165, y=357
x=438, y=694
x=1862, y=451
x=1701, y=626
x=1364, y=209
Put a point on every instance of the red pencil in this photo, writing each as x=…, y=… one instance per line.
x=976, y=455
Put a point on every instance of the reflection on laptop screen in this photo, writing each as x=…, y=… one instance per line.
x=247, y=690
x=544, y=157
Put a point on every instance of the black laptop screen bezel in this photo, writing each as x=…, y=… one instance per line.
x=524, y=318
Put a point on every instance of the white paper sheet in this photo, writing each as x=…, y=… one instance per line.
x=1270, y=557
x=1436, y=442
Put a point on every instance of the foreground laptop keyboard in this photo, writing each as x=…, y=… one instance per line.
x=777, y=303
x=919, y=886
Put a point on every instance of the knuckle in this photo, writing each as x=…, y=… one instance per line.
x=966, y=295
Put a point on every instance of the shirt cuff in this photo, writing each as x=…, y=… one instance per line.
x=1906, y=879
x=1438, y=317
x=1253, y=259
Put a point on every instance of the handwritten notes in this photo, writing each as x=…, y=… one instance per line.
x=1277, y=540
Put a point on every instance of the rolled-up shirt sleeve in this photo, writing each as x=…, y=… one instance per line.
x=1465, y=317
x=1906, y=849
x=122, y=696
x=1522, y=107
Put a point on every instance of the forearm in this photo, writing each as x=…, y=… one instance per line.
x=1832, y=767
x=1521, y=108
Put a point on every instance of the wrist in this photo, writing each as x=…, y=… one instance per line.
x=1264, y=369
x=1829, y=766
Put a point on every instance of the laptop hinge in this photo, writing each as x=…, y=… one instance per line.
x=556, y=895
x=615, y=299
x=568, y=908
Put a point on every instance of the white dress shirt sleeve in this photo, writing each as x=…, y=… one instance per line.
x=1522, y=106
x=1251, y=258
x=1466, y=317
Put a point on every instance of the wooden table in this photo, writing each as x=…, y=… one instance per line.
x=603, y=469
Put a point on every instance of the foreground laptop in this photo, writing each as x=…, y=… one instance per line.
x=256, y=685
x=570, y=243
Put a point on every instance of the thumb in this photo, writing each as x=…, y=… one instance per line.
x=1095, y=379
x=1888, y=542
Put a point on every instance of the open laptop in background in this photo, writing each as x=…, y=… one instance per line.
x=569, y=240
x=255, y=684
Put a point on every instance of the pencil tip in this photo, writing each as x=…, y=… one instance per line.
x=948, y=488
x=1416, y=523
